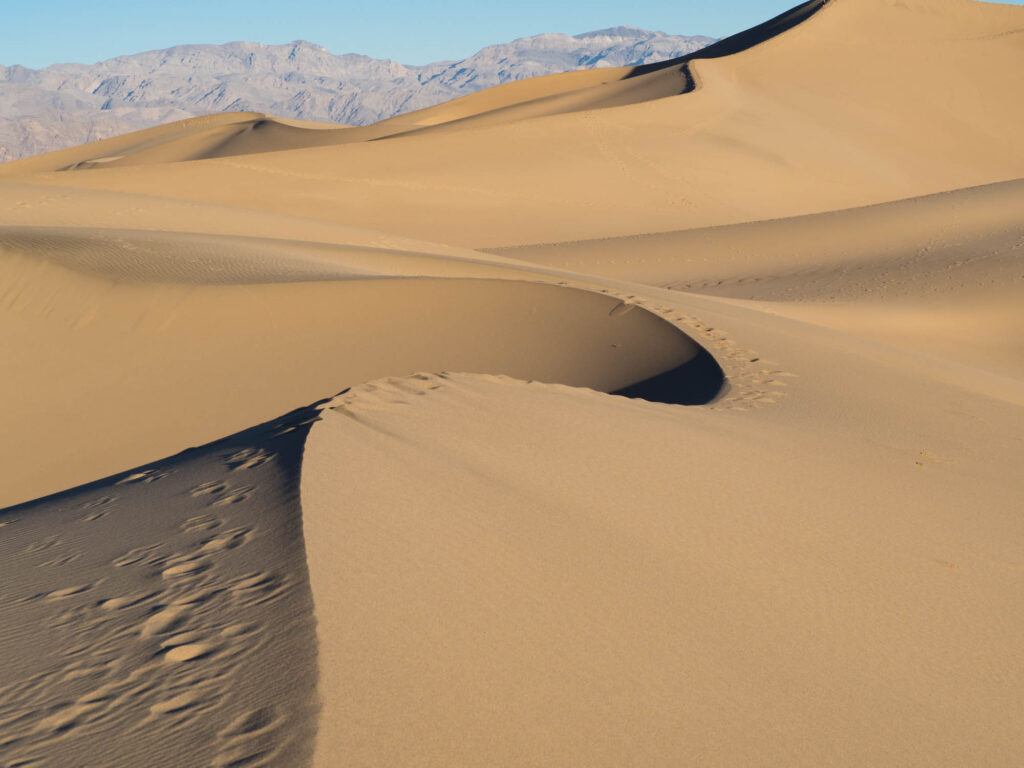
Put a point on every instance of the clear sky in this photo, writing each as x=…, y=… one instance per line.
x=41, y=32
x=36, y=33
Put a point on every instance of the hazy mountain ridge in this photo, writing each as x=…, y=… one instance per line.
x=68, y=104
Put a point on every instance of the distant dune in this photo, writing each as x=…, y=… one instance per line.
x=63, y=105
x=663, y=416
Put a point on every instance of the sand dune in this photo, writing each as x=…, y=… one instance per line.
x=624, y=583
x=131, y=319
x=195, y=138
x=808, y=121
x=712, y=457
x=978, y=219
x=938, y=274
x=241, y=133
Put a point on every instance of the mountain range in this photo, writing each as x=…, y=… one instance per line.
x=69, y=104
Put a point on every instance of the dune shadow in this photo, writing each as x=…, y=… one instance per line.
x=207, y=544
x=284, y=436
x=697, y=382
x=734, y=44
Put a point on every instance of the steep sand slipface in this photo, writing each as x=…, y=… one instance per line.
x=820, y=566
x=92, y=335
x=162, y=617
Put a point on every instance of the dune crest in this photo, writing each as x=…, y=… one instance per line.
x=161, y=295
x=241, y=133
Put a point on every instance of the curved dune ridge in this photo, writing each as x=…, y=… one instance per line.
x=240, y=133
x=177, y=305
x=712, y=457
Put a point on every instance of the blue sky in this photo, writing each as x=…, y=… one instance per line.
x=44, y=32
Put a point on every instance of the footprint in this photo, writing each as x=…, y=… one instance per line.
x=200, y=523
x=249, y=756
x=61, y=594
x=182, y=638
x=213, y=486
x=58, y=561
x=236, y=496
x=176, y=704
x=144, y=476
x=620, y=309
x=227, y=540
x=185, y=570
x=164, y=621
x=135, y=556
x=42, y=546
x=257, y=721
x=253, y=581
x=249, y=740
x=197, y=598
x=118, y=603
x=66, y=718
x=248, y=458
x=190, y=652
x=258, y=588
x=239, y=630
x=102, y=501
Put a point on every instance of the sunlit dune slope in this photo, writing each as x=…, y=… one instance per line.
x=825, y=579
x=188, y=139
x=940, y=274
x=749, y=260
x=246, y=133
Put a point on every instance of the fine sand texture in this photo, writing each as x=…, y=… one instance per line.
x=656, y=416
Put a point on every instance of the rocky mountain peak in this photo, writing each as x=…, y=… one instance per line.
x=68, y=104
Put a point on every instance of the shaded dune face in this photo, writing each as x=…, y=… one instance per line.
x=744, y=40
x=183, y=603
x=698, y=381
x=177, y=611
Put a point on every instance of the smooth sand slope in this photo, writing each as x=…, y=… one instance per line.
x=791, y=538
x=940, y=273
x=242, y=133
x=863, y=102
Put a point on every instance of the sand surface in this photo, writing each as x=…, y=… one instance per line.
x=667, y=416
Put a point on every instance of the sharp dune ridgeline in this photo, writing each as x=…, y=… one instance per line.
x=63, y=105
x=667, y=415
